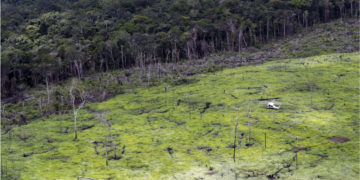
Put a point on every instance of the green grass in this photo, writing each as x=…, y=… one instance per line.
x=319, y=99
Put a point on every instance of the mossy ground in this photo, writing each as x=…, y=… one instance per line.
x=172, y=135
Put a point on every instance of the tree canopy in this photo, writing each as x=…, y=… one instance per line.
x=58, y=39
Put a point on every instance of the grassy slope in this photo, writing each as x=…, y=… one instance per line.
x=319, y=100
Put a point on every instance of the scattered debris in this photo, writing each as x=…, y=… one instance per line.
x=27, y=154
x=211, y=173
x=85, y=127
x=95, y=146
x=297, y=149
x=206, y=148
x=208, y=132
x=49, y=140
x=24, y=139
x=233, y=96
x=179, y=123
x=123, y=149
x=207, y=105
x=50, y=149
x=276, y=174
x=268, y=99
x=115, y=158
x=339, y=139
x=81, y=177
x=240, y=139
x=170, y=150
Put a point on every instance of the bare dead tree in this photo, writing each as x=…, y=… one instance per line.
x=235, y=134
x=76, y=108
x=106, y=151
x=265, y=139
x=112, y=144
x=248, y=115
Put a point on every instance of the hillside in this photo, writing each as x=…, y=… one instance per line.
x=185, y=129
x=334, y=37
x=51, y=41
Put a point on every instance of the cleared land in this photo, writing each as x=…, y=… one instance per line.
x=187, y=129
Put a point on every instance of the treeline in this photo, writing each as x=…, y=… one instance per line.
x=47, y=41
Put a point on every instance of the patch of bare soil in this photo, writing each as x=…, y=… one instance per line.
x=297, y=149
x=339, y=139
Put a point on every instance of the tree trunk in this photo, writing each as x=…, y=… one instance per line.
x=188, y=51
x=340, y=13
x=47, y=89
x=249, y=125
x=235, y=134
x=306, y=23
x=228, y=41
x=106, y=152
x=75, y=123
x=40, y=104
x=303, y=18
x=175, y=53
x=274, y=30
x=267, y=28
x=113, y=59
x=78, y=68
x=244, y=41
x=111, y=137
x=101, y=64
x=240, y=38
x=326, y=13
x=122, y=57
x=106, y=64
x=284, y=29
x=260, y=33
x=75, y=110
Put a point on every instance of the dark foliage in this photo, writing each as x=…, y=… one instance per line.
x=58, y=39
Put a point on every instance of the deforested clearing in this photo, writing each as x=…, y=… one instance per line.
x=186, y=130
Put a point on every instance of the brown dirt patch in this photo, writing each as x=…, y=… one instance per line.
x=339, y=139
x=211, y=173
x=297, y=149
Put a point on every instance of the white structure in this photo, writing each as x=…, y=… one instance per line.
x=271, y=105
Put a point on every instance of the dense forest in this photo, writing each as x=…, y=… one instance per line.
x=48, y=41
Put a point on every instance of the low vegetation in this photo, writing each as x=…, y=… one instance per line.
x=185, y=128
